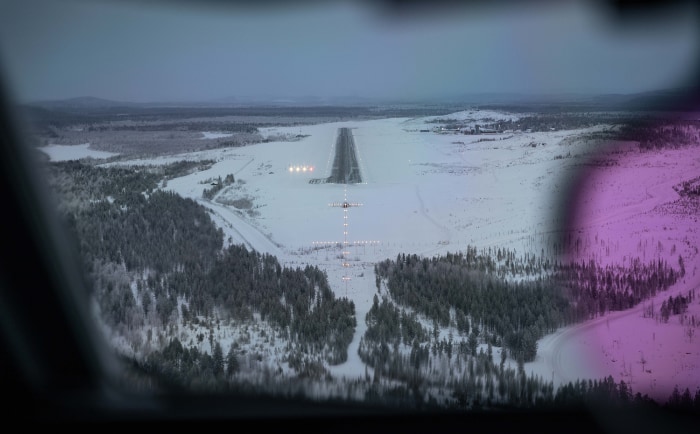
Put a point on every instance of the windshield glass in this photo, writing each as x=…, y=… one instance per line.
x=417, y=206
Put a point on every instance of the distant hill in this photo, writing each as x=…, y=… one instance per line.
x=679, y=99
x=686, y=99
x=82, y=103
x=298, y=101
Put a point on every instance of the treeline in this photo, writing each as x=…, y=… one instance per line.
x=298, y=301
x=482, y=291
x=181, y=168
x=673, y=306
x=62, y=116
x=546, y=122
x=684, y=401
x=152, y=252
x=473, y=380
x=460, y=290
x=79, y=185
x=176, y=367
x=198, y=126
x=179, y=368
x=469, y=377
x=159, y=233
x=400, y=349
x=542, y=122
x=606, y=392
x=594, y=290
x=386, y=323
x=661, y=134
x=603, y=392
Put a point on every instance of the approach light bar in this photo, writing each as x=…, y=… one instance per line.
x=296, y=168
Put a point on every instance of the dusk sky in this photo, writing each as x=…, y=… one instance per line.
x=129, y=52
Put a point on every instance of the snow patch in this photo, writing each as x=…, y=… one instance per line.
x=74, y=152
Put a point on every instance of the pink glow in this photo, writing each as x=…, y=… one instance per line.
x=624, y=206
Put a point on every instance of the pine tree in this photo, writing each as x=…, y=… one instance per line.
x=686, y=400
x=232, y=366
x=218, y=357
x=473, y=343
x=625, y=392
x=674, y=400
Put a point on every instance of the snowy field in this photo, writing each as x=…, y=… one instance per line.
x=215, y=135
x=73, y=152
x=429, y=193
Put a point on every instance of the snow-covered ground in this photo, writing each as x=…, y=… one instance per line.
x=629, y=209
x=73, y=152
x=429, y=193
x=215, y=135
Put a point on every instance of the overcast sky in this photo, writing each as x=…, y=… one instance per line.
x=129, y=52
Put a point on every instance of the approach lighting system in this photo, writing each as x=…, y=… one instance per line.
x=345, y=244
x=300, y=168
